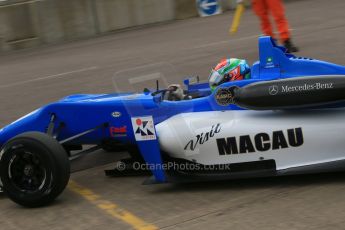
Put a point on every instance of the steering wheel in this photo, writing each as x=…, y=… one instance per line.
x=162, y=91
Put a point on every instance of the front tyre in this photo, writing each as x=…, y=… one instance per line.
x=34, y=169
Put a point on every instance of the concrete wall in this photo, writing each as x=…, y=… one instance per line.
x=185, y=9
x=118, y=14
x=17, y=23
x=27, y=23
x=228, y=4
x=61, y=20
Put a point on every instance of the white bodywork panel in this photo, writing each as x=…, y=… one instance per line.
x=322, y=133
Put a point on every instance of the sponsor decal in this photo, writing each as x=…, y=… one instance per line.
x=201, y=138
x=274, y=90
x=261, y=142
x=116, y=114
x=307, y=87
x=118, y=131
x=269, y=63
x=143, y=128
x=224, y=97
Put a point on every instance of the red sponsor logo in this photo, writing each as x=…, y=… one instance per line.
x=118, y=131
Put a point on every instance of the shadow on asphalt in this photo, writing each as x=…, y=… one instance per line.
x=2, y=195
x=95, y=159
x=255, y=183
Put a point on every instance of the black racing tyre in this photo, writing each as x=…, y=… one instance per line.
x=34, y=169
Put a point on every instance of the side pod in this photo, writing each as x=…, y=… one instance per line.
x=292, y=93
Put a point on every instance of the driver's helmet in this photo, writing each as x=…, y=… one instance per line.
x=231, y=69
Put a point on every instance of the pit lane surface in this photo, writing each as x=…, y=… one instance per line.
x=32, y=78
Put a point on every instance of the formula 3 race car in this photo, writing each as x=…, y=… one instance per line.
x=286, y=119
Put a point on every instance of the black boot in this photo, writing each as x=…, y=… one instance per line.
x=291, y=48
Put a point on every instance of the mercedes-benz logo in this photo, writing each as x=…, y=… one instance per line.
x=273, y=90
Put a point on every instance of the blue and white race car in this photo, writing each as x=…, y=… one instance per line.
x=286, y=119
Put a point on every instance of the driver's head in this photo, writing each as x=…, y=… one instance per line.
x=231, y=69
x=174, y=93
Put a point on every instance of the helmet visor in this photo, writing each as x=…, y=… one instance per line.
x=215, y=78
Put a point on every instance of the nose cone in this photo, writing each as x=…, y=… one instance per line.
x=30, y=122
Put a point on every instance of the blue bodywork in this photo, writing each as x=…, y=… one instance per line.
x=77, y=113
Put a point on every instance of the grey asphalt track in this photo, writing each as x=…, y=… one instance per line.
x=32, y=78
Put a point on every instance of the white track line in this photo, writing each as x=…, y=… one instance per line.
x=49, y=77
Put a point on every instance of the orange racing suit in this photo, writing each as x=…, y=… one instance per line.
x=274, y=7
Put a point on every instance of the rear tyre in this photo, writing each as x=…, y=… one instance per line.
x=34, y=169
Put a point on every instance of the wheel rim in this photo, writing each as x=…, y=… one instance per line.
x=26, y=171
